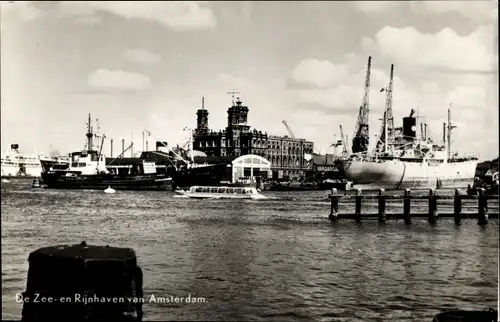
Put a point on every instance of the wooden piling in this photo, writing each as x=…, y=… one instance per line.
x=71, y=277
x=457, y=206
x=433, y=214
x=381, y=205
x=334, y=205
x=357, y=206
x=482, y=211
x=407, y=206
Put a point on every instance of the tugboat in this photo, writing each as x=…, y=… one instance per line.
x=88, y=170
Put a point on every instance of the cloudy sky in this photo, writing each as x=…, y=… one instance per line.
x=137, y=65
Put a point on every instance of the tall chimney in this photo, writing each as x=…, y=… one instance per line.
x=111, y=143
x=123, y=147
x=203, y=103
x=425, y=131
x=147, y=145
x=422, y=133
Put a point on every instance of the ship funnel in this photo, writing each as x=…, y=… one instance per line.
x=410, y=127
x=123, y=146
x=111, y=144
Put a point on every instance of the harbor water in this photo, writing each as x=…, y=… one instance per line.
x=270, y=260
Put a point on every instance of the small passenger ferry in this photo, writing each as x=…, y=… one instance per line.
x=222, y=192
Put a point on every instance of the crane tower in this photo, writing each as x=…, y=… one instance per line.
x=387, y=130
x=360, y=139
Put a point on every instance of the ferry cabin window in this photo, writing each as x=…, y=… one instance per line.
x=222, y=190
x=213, y=190
x=206, y=189
x=230, y=190
x=198, y=189
x=239, y=191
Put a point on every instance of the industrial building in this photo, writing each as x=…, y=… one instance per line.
x=287, y=155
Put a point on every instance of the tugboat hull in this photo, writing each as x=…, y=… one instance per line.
x=101, y=182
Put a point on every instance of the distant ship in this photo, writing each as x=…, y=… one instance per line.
x=17, y=164
x=407, y=161
x=88, y=169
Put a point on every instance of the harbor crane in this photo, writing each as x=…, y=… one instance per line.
x=360, y=139
x=344, y=143
x=288, y=129
x=387, y=129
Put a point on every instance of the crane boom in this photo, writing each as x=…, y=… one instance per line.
x=387, y=130
x=360, y=139
x=288, y=129
x=344, y=143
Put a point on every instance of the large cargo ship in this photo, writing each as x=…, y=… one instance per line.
x=88, y=169
x=408, y=161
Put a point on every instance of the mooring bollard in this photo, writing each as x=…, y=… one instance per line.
x=433, y=214
x=83, y=283
x=482, y=218
x=357, y=206
x=381, y=205
x=406, y=206
x=334, y=205
x=457, y=206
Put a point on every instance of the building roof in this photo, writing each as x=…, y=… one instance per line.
x=213, y=160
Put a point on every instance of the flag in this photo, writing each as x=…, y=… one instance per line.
x=383, y=89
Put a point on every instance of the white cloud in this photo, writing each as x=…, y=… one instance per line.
x=22, y=10
x=446, y=49
x=479, y=11
x=117, y=80
x=474, y=10
x=177, y=15
x=141, y=56
x=319, y=73
x=374, y=6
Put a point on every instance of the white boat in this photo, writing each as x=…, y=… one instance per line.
x=16, y=164
x=222, y=192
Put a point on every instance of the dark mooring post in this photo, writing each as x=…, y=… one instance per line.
x=357, y=206
x=381, y=205
x=482, y=211
x=77, y=281
x=433, y=214
x=457, y=206
x=334, y=205
x=406, y=206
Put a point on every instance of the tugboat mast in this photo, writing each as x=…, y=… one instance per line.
x=89, y=134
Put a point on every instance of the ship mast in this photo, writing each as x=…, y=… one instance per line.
x=89, y=134
x=450, y=127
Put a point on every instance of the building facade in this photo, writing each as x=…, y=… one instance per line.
x=287, y=155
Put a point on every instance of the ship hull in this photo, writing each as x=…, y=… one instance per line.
x=29, y=171
x=397, y=174
x=101, y=182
